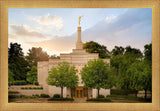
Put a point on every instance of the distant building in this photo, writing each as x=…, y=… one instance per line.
x=78, y=57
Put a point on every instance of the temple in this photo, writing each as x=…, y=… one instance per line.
x=78, y=57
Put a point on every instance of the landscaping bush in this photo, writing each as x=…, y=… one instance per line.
x=19, y=82
x=13, y=92
x=122, y=92
x=13, y=96
x=22, y=96
x=101, y=96
x=44, y=96
x=56, y=96
x=31, y=87
x=99, y=99
x=60, y=99
x=36, y=83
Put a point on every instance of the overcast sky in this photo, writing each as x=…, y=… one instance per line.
x=55, y=29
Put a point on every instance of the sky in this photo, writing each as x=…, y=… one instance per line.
x=55, y=29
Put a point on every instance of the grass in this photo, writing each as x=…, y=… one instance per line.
x=126, y=97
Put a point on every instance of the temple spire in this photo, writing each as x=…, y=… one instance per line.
x=79, y=44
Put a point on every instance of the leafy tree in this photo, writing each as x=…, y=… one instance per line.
x=117, y=51
x=116, y=62
x=129, y=50
x=10, y=77
x=96, y=75
x=54, y=57
x=35, y=55
x=139, y=76
x=148, y=53
x=62, y=76
x=94, y=47
x=32, y=75
x=17, y=63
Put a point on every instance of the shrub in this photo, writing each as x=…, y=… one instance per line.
x=34, y=88
x=41, y=88
x=30, y=87
x=13, y=92
x=60, y=99
x=36, y=83
x=56, y=96
x=13, y=96
x=20, y=82
x=99, y=99
x=101, y=96
x=22, y=96
x=122, y=92
x=44, y=96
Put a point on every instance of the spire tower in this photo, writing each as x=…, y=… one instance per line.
x=79, y=43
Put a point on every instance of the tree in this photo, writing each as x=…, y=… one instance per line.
x=54, y=57
x=96, y=75
x=35, y=55
x=139, y=76
x=10, y=77
x=32, y=75
x=148, y=53
x=62, y=76
x=116, y=62
x=17, y=63
x=94, y=47
x=117, y=51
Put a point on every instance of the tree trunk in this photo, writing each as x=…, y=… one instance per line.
x=145, y=94
x=98, y=93
x=61, y=92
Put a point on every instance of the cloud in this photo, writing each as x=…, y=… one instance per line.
x=57, y=44
x=109, y=19
x=134, y=28
x=50, y=20
x=24, y=31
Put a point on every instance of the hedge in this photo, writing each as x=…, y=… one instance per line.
x=99, y=99
x=123, y=92
x=19, y=82
x=56, y=96
x=60, y=99
x=13, y=96
x=44, y=96
x=37, y=88
x=101, y=96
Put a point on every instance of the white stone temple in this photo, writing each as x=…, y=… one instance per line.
x=78, y=57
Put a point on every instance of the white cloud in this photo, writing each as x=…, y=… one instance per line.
x=24, y=31
x=48, y=19
x=110, y=18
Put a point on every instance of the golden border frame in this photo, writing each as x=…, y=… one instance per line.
x=5, y=4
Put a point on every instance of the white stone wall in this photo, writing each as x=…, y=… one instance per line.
x=102, y=91
x=78, y=58
x=27, y=92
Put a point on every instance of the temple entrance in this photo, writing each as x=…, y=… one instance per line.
x=79, y=92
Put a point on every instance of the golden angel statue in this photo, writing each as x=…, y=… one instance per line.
x=79, y=20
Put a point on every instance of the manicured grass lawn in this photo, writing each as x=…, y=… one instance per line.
x=126, y=97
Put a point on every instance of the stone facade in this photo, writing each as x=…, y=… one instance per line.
x=79, y=57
